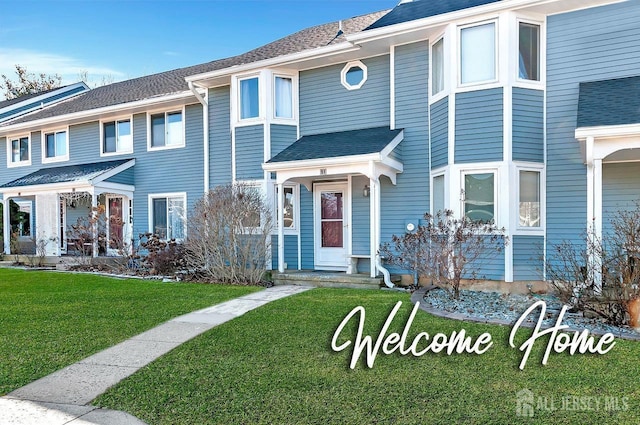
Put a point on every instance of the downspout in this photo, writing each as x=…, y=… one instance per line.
x=205, y=129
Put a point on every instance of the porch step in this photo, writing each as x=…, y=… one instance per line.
x=331, y=279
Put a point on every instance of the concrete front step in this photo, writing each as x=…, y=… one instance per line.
x=331, y=279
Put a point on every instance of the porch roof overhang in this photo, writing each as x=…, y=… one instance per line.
x=608, y=123
x=366, y=151
x=91, y=177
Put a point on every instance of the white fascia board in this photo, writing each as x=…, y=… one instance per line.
x=95, y=113
x=77, y=186
x=120, y=168
x=320, y=162
x=607, y=131
x=446, y=18
x=319, y=52
x=393, y=144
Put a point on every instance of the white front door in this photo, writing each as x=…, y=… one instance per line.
x=331, y=235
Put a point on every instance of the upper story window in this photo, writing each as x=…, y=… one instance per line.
x=478, y=53
x=283, y=100
x=18, y=151
x=166, y=130
x=528, y=51
x=437, y=67
x=249, y=98
x=55, y=146
x=353, y=75
x=117, y=137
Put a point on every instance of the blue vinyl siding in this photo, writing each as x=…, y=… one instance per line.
x=327, y=106
x=360, y=217
x=306, y=228
x=440, y=133
x=84, y=144
x=125, y=177
x=281, y=137
x=167, y=171
x=620, y=191
x=528, y=252
x=409, y=199
x=219, y=136
x=479, y=126
x=528, y=125
x=581, y=46
x=489, y=266
x=290, y=252
x=249, y=152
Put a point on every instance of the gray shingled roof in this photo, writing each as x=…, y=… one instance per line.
x=419, y=9
x=609, y=102
x=174, y=81
x=342, y=143
x=66, y=174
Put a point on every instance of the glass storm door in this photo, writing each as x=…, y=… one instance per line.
x=331, y=227
x=116, y=220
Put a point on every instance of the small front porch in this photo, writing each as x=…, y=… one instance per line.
x=81, y=209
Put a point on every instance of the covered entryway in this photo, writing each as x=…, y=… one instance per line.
x=63, y=197
x=326, y=164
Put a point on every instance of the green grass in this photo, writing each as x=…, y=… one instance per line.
x=274, y=365
x=50, y=320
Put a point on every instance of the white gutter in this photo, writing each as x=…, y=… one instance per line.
x=96, y=112
x=205, y=130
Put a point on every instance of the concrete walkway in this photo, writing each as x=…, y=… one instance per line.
x=63, y=397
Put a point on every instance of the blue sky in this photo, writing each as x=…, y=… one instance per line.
x=126, y=39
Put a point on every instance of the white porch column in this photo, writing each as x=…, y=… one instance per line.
x=280, y=210
x=6, y=222
x=374, y=222
x=94, y=205
x=597, y=218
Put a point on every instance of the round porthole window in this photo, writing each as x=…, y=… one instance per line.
x=353, y=75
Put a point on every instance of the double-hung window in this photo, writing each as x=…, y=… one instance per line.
x=166, y=130
x=168, y=215
x=117, y=137
x=478, y=53
x=55, y=146
x=529, y=211
x=249, y=98
x=479, y=195
x=19, y=151
x=528, y=51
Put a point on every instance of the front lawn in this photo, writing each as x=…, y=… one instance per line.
x=274, y=365
x=49, y=320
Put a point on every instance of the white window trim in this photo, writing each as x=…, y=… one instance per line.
x=496, y=58
x=497, y=218
x=9, y=139
x=347, y=68
x=521, y=82
x=238, y=100
x=116, y=119
x=523, y=230
x=153, y=196
x=31, y=219
x=182, y=110
x=296, y=210
x=43, y=144
x=433, y=98
x=294, y=98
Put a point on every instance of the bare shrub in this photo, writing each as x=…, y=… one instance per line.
x=229, y=236
x=446, y=249
x=598, y=276
x=158, y=256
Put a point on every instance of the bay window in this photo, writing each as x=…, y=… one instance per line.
x=479, y=196
x=528, y=51
x=529, y=199
x=283, y=101
x=438, y=194
x=437, y=67
x=249, y=98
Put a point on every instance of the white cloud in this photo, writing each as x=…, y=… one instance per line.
x=68, y=68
